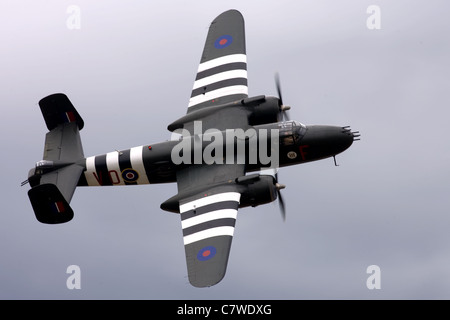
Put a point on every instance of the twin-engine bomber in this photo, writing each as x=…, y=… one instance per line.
x=226, y=140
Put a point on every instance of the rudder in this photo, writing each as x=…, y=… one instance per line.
x=49, y=204
x=57, y=109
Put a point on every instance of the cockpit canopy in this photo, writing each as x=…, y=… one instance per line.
x=291, y=132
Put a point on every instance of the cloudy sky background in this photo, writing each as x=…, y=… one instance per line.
x=129, y=72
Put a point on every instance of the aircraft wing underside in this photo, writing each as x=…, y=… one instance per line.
x=208, y=215
x=208, y=221
x=209, y=209
x=222, y=72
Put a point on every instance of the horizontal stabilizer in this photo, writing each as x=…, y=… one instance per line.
x=57, y=109
x=63, y=143
x=65, y=179
x=55, y=178
x=49, y=204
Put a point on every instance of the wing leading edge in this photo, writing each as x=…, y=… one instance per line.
x=208, y=223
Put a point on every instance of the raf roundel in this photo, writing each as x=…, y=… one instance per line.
x=206, y=253
x=223, y=41
x=130, y=175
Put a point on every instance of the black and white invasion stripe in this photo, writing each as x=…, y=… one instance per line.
x=223, y=76
x=108, y=169
x=210, y=216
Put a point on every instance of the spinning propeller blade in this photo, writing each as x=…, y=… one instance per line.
x=283, y=108
x=278, y=186
x=280, y=198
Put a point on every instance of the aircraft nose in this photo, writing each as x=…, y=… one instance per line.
x=353, y=135
x=344, y=137
x=329, y=140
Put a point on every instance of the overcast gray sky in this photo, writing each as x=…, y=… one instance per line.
x=129, y=71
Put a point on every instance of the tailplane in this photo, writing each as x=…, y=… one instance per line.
x=54, y=179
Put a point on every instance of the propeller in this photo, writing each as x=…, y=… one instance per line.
x=278, y=187
x=283, y=108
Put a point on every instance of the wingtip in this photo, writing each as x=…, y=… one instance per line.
x=229, y=14
x=201, y=282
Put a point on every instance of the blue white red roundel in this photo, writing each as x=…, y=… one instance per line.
x=130, y=175
x=223, y=41
x=206, y=253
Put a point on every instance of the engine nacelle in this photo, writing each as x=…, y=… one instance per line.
x=259, y=110
x=259, y=189
x=264, y=110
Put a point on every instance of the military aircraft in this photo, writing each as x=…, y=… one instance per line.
x=225, y=140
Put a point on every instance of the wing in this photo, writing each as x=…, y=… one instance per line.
x=222, y=73
x=208, y=215
x=208, y=196
x=208, y=222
